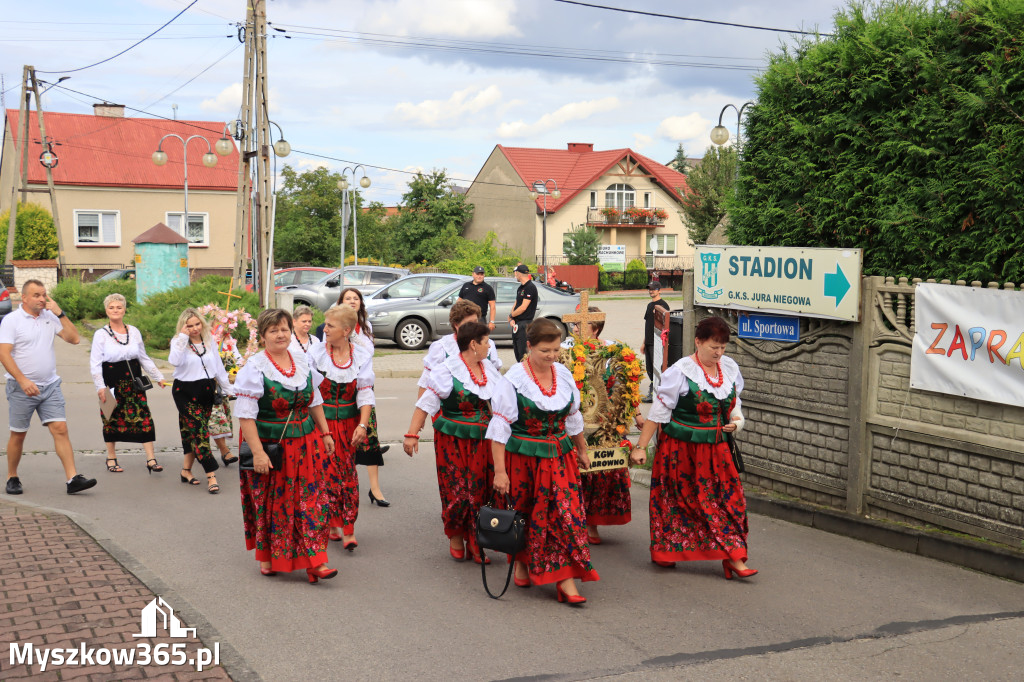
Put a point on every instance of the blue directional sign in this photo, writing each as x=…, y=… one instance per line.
x=769, y=327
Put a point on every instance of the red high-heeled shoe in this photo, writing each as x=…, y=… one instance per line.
x=481, y=558
x=730, y=569
x=351, y=545
x=335, y=536
x=572, y=599
x=320, y=571
x=267, y=571
x=521, y=582
x=457, y=554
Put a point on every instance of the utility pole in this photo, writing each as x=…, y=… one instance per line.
x=255, y=144
x=30, y=88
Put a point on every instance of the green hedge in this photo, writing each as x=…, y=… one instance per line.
x=85, y=301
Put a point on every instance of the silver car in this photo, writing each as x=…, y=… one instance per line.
x=324, y=293
x=412, y=286
x=413, y=323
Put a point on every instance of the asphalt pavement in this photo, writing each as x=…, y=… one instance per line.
x=823, y=606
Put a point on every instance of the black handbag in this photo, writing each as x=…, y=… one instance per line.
x=140, y=383
x=275, y=451
x=501, y=530
x=734, y=449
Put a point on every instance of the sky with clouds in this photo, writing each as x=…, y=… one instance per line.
x=418, y=84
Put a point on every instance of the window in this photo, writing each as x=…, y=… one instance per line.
x=506, y=291
x=593, y=200
x=284, y=279
x=647, y=200
x=407, y=288
x=198, y=227
x=382, y=277
x=354, y=277
x=97, y=228
x=666, y=245
x=308, y=276
x=619, y=196
x=435, y=283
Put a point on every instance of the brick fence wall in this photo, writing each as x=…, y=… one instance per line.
x=832, y=420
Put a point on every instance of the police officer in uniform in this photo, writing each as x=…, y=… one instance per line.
x=524, y=310
x=480, y=292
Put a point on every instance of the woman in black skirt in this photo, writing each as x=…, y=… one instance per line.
x=118, y=356
x=198, y=371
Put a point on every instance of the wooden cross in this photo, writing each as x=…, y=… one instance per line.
x=584, y=317
x=227, y=303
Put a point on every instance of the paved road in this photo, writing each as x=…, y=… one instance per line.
x=824, y=606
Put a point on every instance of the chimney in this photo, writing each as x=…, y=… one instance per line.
x=109, y=110
x=581, y=147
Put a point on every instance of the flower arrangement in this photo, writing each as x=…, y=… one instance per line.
x=660, y=213
x=223, y=324
x=638, y=215
x=610, y=213
x=606, y=373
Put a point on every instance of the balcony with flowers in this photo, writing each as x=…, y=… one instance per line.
x=629, y=216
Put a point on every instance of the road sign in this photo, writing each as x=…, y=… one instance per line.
x=790, y=281
x=768, y=327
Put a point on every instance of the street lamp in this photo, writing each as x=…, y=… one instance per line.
x=209, y=160
x=720, y=134
x=540, y=189
x=346, y=208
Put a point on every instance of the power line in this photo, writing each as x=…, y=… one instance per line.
x=702, y=21
x=82, y=68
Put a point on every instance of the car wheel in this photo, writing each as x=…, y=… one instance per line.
x=412, y=334
x=299, y=302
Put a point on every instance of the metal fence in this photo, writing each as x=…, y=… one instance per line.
x=650, y=260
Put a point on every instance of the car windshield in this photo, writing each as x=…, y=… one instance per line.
x=549, y=288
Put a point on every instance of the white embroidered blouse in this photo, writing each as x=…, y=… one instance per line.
x=190, y=366
x=505, y=408
x=296, y=346
x=249, y=382
x=107, y=349
x=446, y=347
x=440, y=383
x=674, y=386
x=359, y=370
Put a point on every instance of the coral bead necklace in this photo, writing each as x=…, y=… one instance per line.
x=330, y=351
x=288, y=374
x=483, y=372
x=718, y=368
x=554, y=380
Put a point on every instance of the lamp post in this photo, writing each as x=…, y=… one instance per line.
x=209, y=160
x=540, y=189
x=720, y=134
x=346, y=188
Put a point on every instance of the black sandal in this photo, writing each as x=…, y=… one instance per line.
x=213, y=487
x=228, y=459
x=192, y=480
x=155, y=466
x=114, y=468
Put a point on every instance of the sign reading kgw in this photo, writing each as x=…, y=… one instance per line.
x=603, y=459
x=809, y=282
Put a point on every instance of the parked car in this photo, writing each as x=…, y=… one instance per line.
x=126, y=273
x=413, y=323
x=412, y=286
x=324, y=292
x=296, y=276
x=5, y=300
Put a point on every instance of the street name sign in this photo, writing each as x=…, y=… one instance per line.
x=768, y=327
x=779, y=279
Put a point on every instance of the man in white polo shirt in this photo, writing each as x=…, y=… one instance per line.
x=26, y=352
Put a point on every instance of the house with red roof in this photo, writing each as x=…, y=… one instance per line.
x=109, y=191
x=628, y=197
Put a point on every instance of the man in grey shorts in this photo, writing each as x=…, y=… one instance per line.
x=26, y=352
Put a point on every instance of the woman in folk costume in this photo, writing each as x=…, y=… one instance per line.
x=462, y=311
x=537, y=437
x=458, y=397
x=302, y=341
x=221, y=428
x=698, y=511
x=285, y=510
x=347, y=391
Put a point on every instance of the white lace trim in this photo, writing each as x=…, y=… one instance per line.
x=322, y=361
x=458, y=370
x=524, y=384
x=295, y=382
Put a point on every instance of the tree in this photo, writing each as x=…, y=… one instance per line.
x=431, y=219
x=35, y=237
x=901, y=134
x=582, y=244
x=307, y=226
x=679, y=162
x=711, y=184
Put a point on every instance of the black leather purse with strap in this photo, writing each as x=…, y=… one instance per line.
x=501, y=530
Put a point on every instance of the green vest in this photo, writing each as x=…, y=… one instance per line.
x=339, y=399
x=699, y=416
x=538, y=433
x=463, y=413
x=275, y=406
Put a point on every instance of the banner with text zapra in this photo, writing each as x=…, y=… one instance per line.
x=969, y=342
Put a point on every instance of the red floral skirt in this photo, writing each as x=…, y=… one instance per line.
x=464, y=476
x=548, y=491
x=605, y=497
x=340, y=477
x=284, y=513
x=698, y=511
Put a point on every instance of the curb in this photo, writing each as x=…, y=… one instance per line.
x=1002, y=562
x=234, y=665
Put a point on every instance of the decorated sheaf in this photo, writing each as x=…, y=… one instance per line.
x=608, y=377
x=223, y=324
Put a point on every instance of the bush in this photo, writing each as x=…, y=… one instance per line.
x=489, y=253
x=85, y=301
x=608, y=281
x=158, y=317
x=636, y=275
x=582, y=245
x=34, y=237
